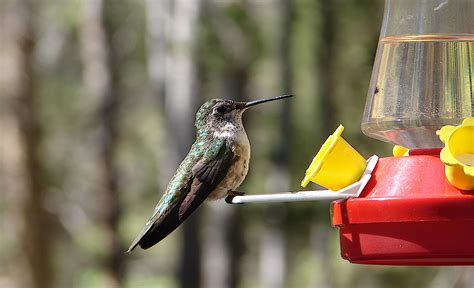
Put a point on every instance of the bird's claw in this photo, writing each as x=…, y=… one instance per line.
x=231, y=196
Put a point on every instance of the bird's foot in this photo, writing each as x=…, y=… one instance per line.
x=231, y=196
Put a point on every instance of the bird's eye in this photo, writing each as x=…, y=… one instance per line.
x=221, y=109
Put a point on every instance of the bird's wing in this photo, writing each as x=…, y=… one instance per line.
x=209, y=171
x=207, y=174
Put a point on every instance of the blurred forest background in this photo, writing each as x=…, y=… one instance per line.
x=97, y=103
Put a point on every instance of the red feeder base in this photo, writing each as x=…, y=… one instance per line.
x=408, y=214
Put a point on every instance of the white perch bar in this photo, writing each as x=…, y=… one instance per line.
x=352, y=190
x=289, y=197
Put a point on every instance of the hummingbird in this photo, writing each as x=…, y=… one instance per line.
x=215, y=166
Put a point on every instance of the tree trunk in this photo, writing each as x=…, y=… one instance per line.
x=274, y=241
x=272, y=257
x=180, y=106
x=327, y=109
x=36, y=228
x=102, y=79
x=158, y=20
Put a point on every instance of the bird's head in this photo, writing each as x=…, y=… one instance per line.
x=219, y=116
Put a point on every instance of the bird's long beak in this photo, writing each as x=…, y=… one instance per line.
x=260, y=101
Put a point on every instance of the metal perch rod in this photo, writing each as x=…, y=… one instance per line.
x=290, y=197
x=352, y=190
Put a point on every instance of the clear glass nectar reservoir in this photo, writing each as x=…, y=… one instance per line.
x=423, y=75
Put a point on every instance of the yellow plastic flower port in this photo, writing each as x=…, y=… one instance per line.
x=336, y=165
x=399, y=151
x=458, y=153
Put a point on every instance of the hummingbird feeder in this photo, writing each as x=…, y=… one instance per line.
x=411, y=212
x=417, y=207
